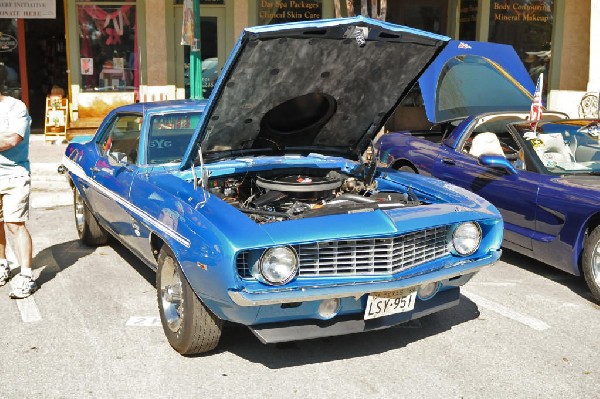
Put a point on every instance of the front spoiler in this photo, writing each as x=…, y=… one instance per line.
x=274, y=296
x=301, y=330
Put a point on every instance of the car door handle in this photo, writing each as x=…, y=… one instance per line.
x=448, y=161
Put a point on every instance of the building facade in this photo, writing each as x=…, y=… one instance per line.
x=108, y=52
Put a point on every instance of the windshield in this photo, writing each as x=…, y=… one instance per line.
x=568, y=147
x=169, y=136
x=471, y=85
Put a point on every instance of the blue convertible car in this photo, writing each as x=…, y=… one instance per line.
x=257, y=206
x=544, y=181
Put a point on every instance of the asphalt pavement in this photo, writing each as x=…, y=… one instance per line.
x=522, y=330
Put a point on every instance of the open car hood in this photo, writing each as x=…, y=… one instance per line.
x=318, y=86
x=471, y=78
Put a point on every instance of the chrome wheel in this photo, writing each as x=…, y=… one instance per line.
x=79, y=212
x=190, y=327
x=590, y=262
x=171, y=296
x=596, y=262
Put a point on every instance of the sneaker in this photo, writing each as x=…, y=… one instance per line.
x=4, y=274
x=23, y=286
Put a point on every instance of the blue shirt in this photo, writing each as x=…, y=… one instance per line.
x=14, y=118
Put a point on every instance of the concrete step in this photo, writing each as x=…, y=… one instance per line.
x=45, y=199
x=48, y=187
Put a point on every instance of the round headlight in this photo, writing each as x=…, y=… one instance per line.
x=466, y=238
x=277, y=266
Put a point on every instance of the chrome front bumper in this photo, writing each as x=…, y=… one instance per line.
x=456, y=275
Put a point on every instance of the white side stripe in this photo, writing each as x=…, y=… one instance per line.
x=157, y=224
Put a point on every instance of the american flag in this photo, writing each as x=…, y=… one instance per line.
x=535, y=113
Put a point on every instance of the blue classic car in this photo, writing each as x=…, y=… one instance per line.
x=544, y=181
x=258, y=207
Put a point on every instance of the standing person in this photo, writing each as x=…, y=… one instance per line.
x=14, y=191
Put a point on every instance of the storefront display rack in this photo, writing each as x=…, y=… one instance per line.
x=57, y=114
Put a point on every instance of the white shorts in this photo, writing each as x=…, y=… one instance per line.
x=14, y=198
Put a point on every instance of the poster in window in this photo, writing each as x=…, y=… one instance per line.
x=87, y=66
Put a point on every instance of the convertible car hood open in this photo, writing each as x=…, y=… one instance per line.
x=471, y=78
x=326, y=86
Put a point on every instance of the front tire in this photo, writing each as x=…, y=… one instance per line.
x=591, y=262
x=89, y=230
x=190, y=327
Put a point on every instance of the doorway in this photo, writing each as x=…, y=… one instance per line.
x=46, y=61
x=212, y=49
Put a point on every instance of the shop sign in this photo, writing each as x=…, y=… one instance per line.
x=40, y=9
x=520, y=11
x=279, y=11
x=7, y=43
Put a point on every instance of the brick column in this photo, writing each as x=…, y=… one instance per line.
x=156, y=43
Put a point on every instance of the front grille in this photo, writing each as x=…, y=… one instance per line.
x=365, y=256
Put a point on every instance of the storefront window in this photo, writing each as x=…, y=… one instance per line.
x=428, y=15
x=208, y=55
x=108, y=47
x=9, y=58
x=202, y=2
x=467, y=29
x=527, y=26
x=280, y=11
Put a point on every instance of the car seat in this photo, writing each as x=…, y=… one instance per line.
x=555, y=150
x=486, y=143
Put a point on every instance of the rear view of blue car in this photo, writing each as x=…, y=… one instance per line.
x=270, y=216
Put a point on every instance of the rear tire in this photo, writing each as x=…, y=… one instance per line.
x=190, y=327
x=89, y=230
x=591, y=262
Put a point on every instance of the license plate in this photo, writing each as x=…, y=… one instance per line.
x=381, y=304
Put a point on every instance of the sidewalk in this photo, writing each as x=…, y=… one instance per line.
x=48, y=187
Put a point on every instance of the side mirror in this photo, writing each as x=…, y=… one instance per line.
x=117, y=158
x=497, y=162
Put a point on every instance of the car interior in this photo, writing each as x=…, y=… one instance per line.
x=492, y=137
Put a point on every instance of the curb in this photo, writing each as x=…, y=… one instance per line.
x=48, y=187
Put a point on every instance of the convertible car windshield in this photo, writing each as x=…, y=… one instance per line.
x=495, y=89
x=566, y=147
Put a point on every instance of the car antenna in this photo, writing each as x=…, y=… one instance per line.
x=194, y=174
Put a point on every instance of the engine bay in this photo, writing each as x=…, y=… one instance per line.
x=277, y=195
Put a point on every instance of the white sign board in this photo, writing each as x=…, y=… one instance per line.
x=40, y=9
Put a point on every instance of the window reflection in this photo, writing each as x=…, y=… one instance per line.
x=9, y=58
x=107, y=41
x=527, y=26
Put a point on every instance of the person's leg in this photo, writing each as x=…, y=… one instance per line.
x=20, y=239
x=21, y=243
x=16, y=212
x=4, y=268
x=2, y=242
x=2, y=233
